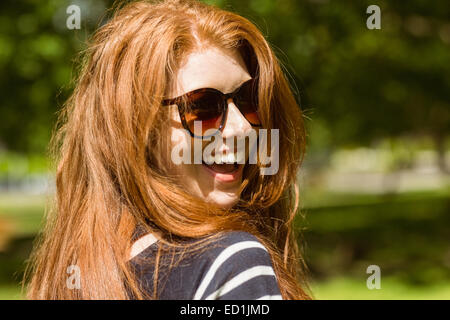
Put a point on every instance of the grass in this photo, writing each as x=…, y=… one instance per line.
x=405, y=235
x=342, y=288
x=10, y=292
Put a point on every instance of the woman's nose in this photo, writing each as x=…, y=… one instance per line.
x=235, y=124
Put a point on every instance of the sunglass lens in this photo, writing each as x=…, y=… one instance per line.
x=247, y=102
x=206, y=107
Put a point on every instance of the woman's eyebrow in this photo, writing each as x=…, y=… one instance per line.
x=240, y=85
x=235, y=88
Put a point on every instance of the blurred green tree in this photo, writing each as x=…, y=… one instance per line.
x=358, y=85
x=362, y=85
x=37, y=53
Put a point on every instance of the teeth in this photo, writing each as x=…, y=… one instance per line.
x=238, y=157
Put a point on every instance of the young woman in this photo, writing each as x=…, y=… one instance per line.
x=130, y=222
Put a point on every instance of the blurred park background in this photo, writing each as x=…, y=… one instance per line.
x=375, y=185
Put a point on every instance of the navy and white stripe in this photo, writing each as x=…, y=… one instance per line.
x=235, y=266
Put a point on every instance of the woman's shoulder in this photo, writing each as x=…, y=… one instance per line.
x=207, y=247
x=226, y=246
x=238, y=247
x=229, y=265
x=239, y=267
x=231, y=237
x=228, y=238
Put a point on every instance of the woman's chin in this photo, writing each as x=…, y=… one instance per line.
x=223, y=199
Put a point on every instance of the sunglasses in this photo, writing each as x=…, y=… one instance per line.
x=209, y=106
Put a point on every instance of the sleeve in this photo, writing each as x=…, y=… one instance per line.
x=241, y=270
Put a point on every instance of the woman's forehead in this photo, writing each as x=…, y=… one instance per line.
x=213, y=67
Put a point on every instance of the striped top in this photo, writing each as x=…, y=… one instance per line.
x=235, y=266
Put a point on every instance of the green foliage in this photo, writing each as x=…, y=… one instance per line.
x=356, y=84
x=37, y=53
x=18, y=166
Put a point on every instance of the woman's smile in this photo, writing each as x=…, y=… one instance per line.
x=225, y=172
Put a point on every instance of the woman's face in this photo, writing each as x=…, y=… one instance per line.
x=225, y=71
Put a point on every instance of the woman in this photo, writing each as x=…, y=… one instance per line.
x=135, y=223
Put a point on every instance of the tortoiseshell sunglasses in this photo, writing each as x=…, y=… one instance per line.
x=210, y=106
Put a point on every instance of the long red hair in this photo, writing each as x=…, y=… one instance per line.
x=108, y=178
